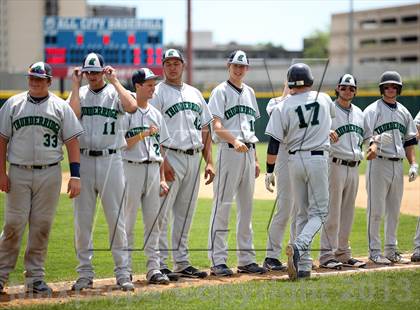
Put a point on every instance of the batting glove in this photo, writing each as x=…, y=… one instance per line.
x=384, y=138
x=269, y=180
x=413, y=172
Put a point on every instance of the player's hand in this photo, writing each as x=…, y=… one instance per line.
x=153, y=130
x=4, y=183
x=73, y=187
x=240, y=147
x=77, y=75
x=209, y=173
x=333, y=136
x=269, y=180
x=418, y=133
x=164, y=188
x=257, y=169
x=413, y=172
x=110, y=74
x=372, y=151
x=168, y=171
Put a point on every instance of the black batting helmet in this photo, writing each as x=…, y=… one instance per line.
x=299, y=75
x=390, y=77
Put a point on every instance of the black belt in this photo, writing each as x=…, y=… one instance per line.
x=390, y=158
x=94, y=153
x=248, y=145
x=39, y=167
x=141, y=162
x=348, y=163
x=313, y=153
x=188, y=152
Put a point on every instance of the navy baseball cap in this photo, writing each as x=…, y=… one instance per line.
x=142, y=75
x=40, y=69
x=238, y=57
x=93, y=62
x=172, y=53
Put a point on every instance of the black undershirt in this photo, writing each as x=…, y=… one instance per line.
x=239, y=90
x=37, y=99
x=99, y=89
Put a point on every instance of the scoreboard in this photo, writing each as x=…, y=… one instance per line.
x=126, y=43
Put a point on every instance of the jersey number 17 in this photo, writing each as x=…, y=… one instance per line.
x=314, y=107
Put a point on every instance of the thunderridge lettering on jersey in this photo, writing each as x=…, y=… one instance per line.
x=240, y=109
x=182, y=106
x=36, y=121
x=349, y=128
x=391, y=126
x=101, y=111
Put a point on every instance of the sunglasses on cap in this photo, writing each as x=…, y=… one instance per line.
x=351, y=88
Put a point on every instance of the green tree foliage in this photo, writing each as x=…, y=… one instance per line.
x=316, y=45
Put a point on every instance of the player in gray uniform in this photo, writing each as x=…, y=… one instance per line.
x=187, y=117
x=384, y=177
x=34, y=125
x=100, y=107
x=416, y=254
x=303, y=122
x=345, y=156
x=234, y=108
x=146, y=130
x=284, y=201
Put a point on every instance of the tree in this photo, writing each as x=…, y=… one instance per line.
x=316, y=45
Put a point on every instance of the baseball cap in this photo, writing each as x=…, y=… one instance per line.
x=40, y=69
x=348, y=80
x=172, y=53
x=93, y=62
x=238, y=57
x=142, y=75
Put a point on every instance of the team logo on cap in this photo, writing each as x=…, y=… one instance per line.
x=40, y=69
x=92, y=61
x=148, y=74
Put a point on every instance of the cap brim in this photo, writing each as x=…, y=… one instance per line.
x=92, y=69
x=153, y=77
x=238, y=63
x=173, y=57
x=41, y=76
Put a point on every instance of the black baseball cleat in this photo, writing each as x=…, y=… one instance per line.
x=252, y=268
x=293, y=257
x=273, y=264
x=221, y=270
x=332, y=264
x=304, y=274
x=171, y=275
x=38, y=287
x=191, y=272
x=159, y=278
x=82, y=283
x=415, y=258
x=352, y=262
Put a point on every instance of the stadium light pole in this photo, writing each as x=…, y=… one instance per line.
x=189, y=44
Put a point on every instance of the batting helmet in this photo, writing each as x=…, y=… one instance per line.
x=390, y=77
x=299, y=75
x=40, y=69
x=93, y=62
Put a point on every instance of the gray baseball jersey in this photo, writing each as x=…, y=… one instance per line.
x=235, y=172
x=303, y=122
x=42, y=128
x=343, y=183
x=149, y=148
x=35, y=132
x=237, y=110
x=185, y=112
x=384, y=177
x=417, y=236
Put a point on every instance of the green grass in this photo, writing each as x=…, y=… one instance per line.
x=382, y=290
x=61, y=261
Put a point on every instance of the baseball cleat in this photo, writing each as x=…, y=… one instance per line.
x=221, y=270
x=304, y=274
x=293, y=257
x=332, y=264
x=252, y=268
x=396, y=258
x=159, y=278
x=273, y=264
x=38, y=287
x=380, y=260
x=352, y=262
x=81, y=284
x=125, y=284
x=415, y=258
x=191, y=272
x=171, y=275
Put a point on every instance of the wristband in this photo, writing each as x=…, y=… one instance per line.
x=270, y=167
x=75, y=170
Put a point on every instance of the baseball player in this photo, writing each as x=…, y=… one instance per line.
x=303, y=122
x=146, y=130
x=345, y=156
x=187, y=117
x=416, y=254
x=384, y=177
x=34, y=125
x=100, y=107
x=284, y=201
x=235, y=110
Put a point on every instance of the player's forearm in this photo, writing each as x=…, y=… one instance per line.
x=127, y=101
x=222, y=132
x=3, y=150
x=75, y=100
x=271, y=159
x=207, y=154
x=73, y=150
x=410, y=153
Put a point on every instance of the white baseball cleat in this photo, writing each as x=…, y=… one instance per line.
x=380, y=260
x=332, y=264
x=396, y=258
